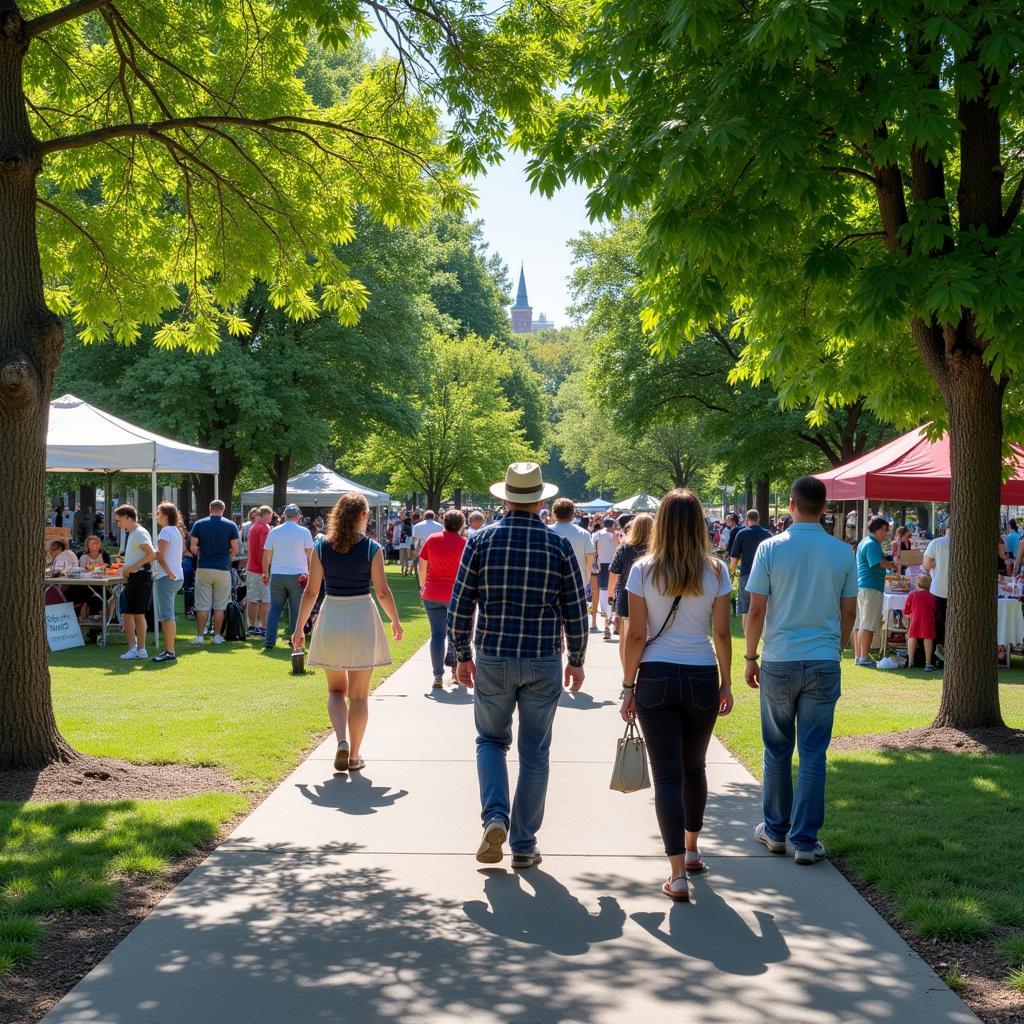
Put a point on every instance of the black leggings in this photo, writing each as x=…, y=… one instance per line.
x=677, y=706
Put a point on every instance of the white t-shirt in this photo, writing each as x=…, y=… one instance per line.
x=939, y=550
x=289, y=543
x=604, y=542
x=421, y=531
x=581, y=541
x=685, y=641
x=65, y=560
x=133, y=544
x=172, y=557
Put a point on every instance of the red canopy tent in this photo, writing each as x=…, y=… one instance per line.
x=910, y=468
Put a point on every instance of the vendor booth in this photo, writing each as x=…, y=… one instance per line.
x=639, y=503
x=83, y=439
x=318, y=489
x=597, y=505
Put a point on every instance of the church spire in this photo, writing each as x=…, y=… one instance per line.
x=522, y=302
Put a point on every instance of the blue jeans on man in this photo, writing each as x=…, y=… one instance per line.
x=283, y=587
x=533, y=685
x=798, y=701
x=441, y=652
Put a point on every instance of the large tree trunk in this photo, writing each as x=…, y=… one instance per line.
x=230, y=466
x=763, y=497
x=281, y=467
x=970, y=684
x=30, y=345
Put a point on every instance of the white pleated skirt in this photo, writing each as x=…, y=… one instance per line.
x=349, y=634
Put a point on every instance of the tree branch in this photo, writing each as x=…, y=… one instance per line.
x=855, y=171
x=819, y=442
x=61, y=16
x=1013, y=208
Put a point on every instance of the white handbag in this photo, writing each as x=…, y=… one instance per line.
x=630, y=771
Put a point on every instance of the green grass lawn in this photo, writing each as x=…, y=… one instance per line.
x=230, y=706
x=938, y=834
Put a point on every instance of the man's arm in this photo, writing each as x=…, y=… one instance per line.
x=234, y=549
x=465, y=595
x=847, y=617
x=573, y=603
x=268, y=557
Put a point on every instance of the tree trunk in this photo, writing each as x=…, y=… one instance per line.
x=763, y=497
x=433, y=498
x=30, y=345
x=970, y=684
x=282, y=463
x=458, y=497
x=204, y=494
x=748, y=487
x=185, y=496
x=230, y=465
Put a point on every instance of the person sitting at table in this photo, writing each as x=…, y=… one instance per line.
x=92, y=557
x=919, y=618
x=60, y=559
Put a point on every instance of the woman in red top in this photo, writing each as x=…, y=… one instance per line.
x=438, y=566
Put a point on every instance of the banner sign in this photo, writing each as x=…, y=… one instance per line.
x=62, y=628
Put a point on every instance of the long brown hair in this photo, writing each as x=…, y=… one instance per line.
x=343, y=531
x=680, y=550
x=638, y=533
x=170, y=510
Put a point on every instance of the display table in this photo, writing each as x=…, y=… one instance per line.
x=106, y=588
x=1010, y=622
x=893, y=603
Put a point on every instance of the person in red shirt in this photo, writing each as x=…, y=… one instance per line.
x=257, y=592
x=920, y=611
x=438, y=566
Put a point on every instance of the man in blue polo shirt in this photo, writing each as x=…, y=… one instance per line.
x=803, y=597
x=214, y=541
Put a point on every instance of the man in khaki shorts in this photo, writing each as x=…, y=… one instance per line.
x=871, y=566
x=214, y=543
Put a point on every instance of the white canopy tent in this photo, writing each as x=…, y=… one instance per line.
x=83, y=439
x=639, y=503
x=318, y=487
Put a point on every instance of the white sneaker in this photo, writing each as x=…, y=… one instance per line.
x=197, y=641
x=130, y=654
x=141, y=654
x=218, y=639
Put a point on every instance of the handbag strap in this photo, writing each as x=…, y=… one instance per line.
x=665, y=624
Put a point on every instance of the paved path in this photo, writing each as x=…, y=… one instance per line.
x=358, y=900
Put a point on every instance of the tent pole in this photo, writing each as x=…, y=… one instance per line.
x=216, y=485
x=107, y=532
x=156, y=529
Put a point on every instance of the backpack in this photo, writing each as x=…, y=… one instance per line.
x=234, y=622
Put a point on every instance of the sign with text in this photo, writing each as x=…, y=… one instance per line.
x=57, y=533
x=62, y=628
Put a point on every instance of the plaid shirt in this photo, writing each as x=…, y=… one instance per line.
x=525, y=579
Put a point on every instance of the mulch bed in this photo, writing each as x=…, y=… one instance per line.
x=981, y=964
x=101, y=780
x=947, y=741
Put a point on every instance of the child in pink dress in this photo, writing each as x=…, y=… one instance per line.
x=919, y=614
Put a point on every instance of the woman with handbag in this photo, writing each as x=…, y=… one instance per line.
x=676, y=683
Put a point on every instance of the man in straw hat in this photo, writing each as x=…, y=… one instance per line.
x=524, y=581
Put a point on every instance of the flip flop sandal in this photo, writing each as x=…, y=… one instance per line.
x=696, y=867
x=341, y=761
x=356, y=764
x=681, y=895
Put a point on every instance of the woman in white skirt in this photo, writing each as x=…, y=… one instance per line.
x=348, y=638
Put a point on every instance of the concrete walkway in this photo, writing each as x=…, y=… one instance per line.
x=358, y=899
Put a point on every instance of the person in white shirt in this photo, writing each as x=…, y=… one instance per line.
x=168, y=576
x=61, y=558
x=605, y=545
x=936, y=562
x=138, y=581
x=580, y=539
x=422, y=530
x=285, y=560
x=476, y=523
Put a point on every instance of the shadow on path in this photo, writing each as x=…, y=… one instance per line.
x=353, y=793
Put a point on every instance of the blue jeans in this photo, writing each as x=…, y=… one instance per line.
x=798, y=703
x=283, y=587
x=534, y=686
x=441, y=652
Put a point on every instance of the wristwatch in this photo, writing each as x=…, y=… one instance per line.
x=751, y=657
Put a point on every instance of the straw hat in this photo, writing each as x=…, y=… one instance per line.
x=523, y=485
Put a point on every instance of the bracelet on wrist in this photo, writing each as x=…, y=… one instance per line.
x=628, y=686
x=751, y=657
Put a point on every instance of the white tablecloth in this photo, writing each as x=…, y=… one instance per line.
x=892, y=602
x=1010, y=623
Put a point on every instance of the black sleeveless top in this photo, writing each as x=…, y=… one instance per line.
x=347, y=575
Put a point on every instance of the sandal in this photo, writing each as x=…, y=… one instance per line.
x=677, y=895
x=341, y=762
x=695, y=864
x=356, y=764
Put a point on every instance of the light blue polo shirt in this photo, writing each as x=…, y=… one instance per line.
x=804, y=573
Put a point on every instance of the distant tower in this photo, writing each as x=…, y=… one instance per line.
x=522, y=311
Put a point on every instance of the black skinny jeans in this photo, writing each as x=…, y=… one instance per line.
x=677, y=706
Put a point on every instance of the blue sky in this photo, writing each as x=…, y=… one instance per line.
x=524, y=226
